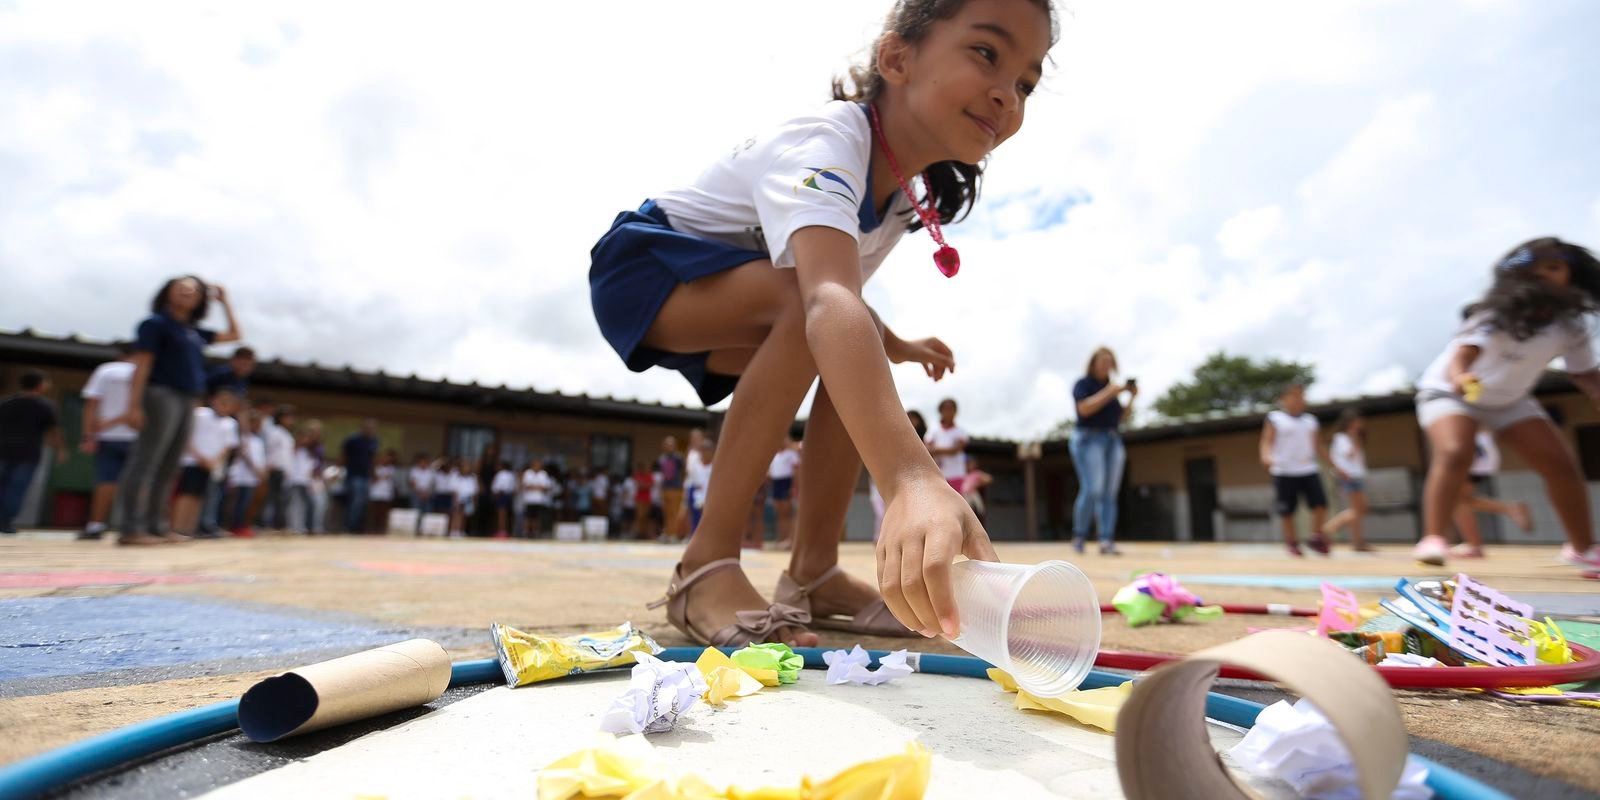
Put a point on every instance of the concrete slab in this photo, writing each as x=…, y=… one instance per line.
x=492, y=744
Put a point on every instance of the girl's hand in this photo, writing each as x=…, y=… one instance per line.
x=924, y=528
x=934, y=355
x=134, y=418
x=218, y=293
x=88, y=446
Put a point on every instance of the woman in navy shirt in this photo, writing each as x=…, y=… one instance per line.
x=169, y=378
x=1097, y=450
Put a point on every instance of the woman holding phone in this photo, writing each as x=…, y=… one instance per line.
x=1097, y=450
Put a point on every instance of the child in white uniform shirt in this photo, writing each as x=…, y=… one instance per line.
x=211, y=436
x=1538, y=307
x=752, y=275
x=503, y=487
x=1348, y=454
x=1289, y=450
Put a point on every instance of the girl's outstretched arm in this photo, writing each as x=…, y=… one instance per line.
x=927, y=523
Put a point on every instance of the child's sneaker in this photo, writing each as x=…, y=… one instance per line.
x=1432, y=551
x=1319, y=544
x=1464, y=550
x=1588, y=559
x=1294, y=551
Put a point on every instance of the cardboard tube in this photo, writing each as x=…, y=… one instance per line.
x=1162, y=747
x=346, y=689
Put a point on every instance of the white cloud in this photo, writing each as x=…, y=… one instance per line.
x=1244, y=234
x=418, y=191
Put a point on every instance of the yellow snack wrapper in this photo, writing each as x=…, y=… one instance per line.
x=727, y=679
x=628, y=768
x=1553, y=648
x=529, y=658
x=1097, y=707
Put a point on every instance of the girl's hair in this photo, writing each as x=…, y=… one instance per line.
x=918, y=424
x=1099, y=351
x=1520, y=304
x=952, y=186
x=158, y=305
x=1346, y=418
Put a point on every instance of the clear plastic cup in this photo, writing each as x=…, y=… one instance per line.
x=1038, y=622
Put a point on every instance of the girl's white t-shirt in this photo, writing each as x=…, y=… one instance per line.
x=421, y=479
x=466, y=486
x=505, y=482
x=242, y=474
x=382, y=489
x=536, y=486
x=210, y=436
x=811, y=170
x=1507, y=368
x=444, y=481
x=1294, y=445
x=1347, y=456
x=697, y=472
x=301, y=467
x=784, y=464
x=952, y=465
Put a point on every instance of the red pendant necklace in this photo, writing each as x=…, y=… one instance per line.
x=946, y=257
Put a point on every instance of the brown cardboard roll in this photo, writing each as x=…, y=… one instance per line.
x=1162, y=747
x=345, y=689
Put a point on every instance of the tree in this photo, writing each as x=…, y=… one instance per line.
x=1232, y=383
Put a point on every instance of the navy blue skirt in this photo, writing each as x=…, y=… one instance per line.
x=634, y=268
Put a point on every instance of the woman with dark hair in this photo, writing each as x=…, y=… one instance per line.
x=168, y=380
x=1538, y=307
x=1097, y=451
x=1349, y=456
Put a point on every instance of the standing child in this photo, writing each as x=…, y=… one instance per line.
x=106, y=434
x=211, y=436
x=643, y=488
x=627, y=525
x=1348, y=454
x=444, y=486
x=752, y=277
x=1484, y=466
x=503, y=487
x=278, y=432
x=536, y=489
x=948, y=444
x=303, y=469
x=1289, y=450
x=247, y=472
x=1538, y=307
x=697, y=476
x=784, y=466
x=421, y=479
x=382, y=491
x=465, y=483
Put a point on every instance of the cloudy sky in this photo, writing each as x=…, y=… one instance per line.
x=404, y=187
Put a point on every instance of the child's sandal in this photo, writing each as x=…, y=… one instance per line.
x=749, y=627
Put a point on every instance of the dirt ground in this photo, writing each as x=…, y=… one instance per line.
x=560, y=588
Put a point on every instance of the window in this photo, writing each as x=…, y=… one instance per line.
x=1589, y=451
x=468, y=441
x=614, y=454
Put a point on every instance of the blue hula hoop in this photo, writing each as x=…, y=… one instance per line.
x=74, y=762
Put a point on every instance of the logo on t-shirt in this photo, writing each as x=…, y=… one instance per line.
x=832, y=180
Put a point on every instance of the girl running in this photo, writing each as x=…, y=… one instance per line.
x=751, y=277
x=1348, y=454
x=1537, y=308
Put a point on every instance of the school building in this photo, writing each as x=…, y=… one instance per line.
x=1197, y=479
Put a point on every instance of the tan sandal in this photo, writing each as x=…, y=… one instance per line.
x=873, y=619
x=749, y=627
